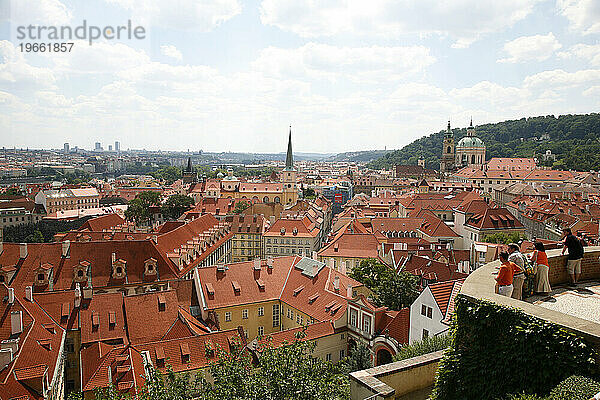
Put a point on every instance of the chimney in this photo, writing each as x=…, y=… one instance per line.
x=16, y=322
x=29, y=293
x=314, y=255
x=23, y=250
x=349, y=291
x=272, y=220
x=257, y=264
x=87, y=293
x=77, y=295
x=336, y=283
x=11, y=295
x=66, y=245
x=343, y=267
x=270, y=262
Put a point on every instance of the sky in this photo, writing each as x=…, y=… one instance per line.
x=233, y=75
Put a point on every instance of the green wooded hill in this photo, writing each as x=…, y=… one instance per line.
x=574, y=139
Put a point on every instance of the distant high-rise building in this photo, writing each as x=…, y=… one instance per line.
x=117, y=146
x=110, y=147
x=97, y=147
x=66, y=148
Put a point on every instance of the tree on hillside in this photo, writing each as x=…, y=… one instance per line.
x=573, y=139
x=176, y=205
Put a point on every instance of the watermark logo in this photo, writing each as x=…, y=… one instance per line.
x=84, y=31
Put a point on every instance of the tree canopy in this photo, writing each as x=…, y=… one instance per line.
x=176, y=205
x=287, y=372
x=390, y=289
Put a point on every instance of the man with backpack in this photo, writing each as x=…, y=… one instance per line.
x=573, y=244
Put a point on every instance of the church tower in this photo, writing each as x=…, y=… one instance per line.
x=189, y=175
x=289, y=173
x=447, y=161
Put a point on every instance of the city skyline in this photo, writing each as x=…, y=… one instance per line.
x=232, y=75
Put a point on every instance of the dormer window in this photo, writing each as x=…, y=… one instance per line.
x=150, y=267
x=119, y=269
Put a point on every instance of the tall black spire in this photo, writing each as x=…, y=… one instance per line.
x=289, y=159
x=189, y=165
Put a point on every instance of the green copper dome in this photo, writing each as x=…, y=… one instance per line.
x=470, y=142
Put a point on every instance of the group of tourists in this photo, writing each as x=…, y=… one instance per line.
x=516, y=267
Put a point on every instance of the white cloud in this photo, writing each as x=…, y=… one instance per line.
x=463, y=20
x=35, y=12
x=490, y=93
x=530, y=48
x=584, y=15
x=99, y=58
x=559, y=78
x=373, y=64
x=588, y=52
x=594, y=92
x=172, y=52
x=202, y=15
x=17, y=73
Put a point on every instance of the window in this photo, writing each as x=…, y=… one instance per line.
x=275, y=315
x=425, y=333
x=291, y=314
x=367, y=323
x=246, y=333
x=328, y=357
x=40, y=277
x=261, y=330
x=245, y=314
x=342, y=336
x=429, y=310
x=228, y=316
x=261, y=311
x=342, y=354
x=423, y=309
x=297, y=318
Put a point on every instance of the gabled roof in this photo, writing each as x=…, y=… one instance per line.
x=97, y=316
x=494, y=218
x=39, y=345
x=103, y=222
x=442, y=293
x=351, y=245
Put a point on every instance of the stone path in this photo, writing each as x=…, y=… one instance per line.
x=582, y=301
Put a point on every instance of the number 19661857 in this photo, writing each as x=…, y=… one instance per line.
x=46, y=47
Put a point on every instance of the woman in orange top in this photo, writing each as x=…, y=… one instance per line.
x=504, y=280
x=540, y=260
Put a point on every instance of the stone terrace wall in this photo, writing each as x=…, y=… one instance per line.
x=590, y=265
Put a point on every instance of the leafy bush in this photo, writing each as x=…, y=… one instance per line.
x=498, y=350
x=575, y=388
x=425, y=346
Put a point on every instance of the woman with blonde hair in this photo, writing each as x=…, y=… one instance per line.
x=540, y=260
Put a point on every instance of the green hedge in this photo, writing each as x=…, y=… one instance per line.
x=427, y=345
x=575, y=388
x=498, y=350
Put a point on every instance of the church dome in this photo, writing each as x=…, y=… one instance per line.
x=470, y=142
